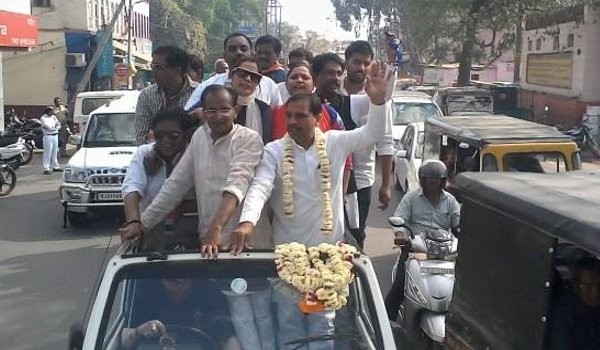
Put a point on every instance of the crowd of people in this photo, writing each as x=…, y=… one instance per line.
x=260, y=154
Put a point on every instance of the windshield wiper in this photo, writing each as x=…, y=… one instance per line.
x=301, y=341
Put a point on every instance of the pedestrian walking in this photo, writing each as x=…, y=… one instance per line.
x=50, y=127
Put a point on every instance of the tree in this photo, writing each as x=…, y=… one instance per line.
x=290, y=36
x=170, y=23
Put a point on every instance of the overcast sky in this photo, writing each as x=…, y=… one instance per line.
x=313, y=15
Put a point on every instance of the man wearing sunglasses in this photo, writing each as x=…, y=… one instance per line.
x=237, y=46
x=172, y=88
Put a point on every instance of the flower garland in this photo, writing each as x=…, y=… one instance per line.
x=325, y=172
x=321, y=273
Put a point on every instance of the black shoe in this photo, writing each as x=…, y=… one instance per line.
x=58, y=170
x=47, y=172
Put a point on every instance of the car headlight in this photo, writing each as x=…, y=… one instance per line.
x=74, y=175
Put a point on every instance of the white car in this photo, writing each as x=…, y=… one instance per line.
x=88, y=101
x=409, y=156
x=411, y=107
x=138, y=287
x=94, y=174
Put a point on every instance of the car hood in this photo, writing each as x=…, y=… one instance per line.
x=114, y=157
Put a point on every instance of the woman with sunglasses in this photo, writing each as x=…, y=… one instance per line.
x=150, y=166
x=252, y=112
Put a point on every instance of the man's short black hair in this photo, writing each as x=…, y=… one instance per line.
x=321, y=60
x=313, y=100
x=302, y=53
x=196, y=62
x=234, y=35
x=358, y=47
x=589, y=264
x=214, y=88
x=176, y=57
x=269, y=40
x=176, y=114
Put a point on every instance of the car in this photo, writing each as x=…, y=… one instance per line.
x=458, y=100
x=93, y=176
x=409, y=156
x=88, y=101
x=410, y=107
x=132, y=278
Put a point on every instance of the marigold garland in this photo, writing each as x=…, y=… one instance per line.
x=324, y=170
x=321, y=273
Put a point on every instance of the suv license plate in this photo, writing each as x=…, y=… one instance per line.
x=110, y=196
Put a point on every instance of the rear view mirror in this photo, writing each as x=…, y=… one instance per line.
x=76, y=336
x=396, y=221
x=75, y=139
x=401, y=153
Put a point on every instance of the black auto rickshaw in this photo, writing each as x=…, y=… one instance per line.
x=523, y=238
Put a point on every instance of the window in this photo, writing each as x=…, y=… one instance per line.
x=530, y=45
x=535, y=162
x=556, y=43
x=410, y=112
x=538, y=44
x=570, y=40
x=407, y=141
x=41, y=3
x=489, y=163
x=474, y=76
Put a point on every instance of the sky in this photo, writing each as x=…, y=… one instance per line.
x=317, y=15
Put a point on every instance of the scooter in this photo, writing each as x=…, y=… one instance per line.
x=582, y=135
x=15, y=151
x=430, y=262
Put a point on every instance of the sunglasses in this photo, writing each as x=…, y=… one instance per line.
x=158, y=66
x=244, y=74
x=171, y=135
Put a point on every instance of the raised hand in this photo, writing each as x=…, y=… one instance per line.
x=377, y=83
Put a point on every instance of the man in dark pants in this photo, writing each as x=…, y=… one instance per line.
x=328, y=71
x=429, y=207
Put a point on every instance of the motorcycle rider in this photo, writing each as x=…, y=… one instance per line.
x=427, y=207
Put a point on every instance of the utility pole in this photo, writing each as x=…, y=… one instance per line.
x=129, y=16
x=94, y=61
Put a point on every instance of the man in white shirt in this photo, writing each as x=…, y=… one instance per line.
x=237, y=46
x=50, y=128
x=307, y=200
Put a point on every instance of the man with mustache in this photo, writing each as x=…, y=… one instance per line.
x=237, y=46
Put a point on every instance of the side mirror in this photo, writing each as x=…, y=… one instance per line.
x=396, y=221
x=75, y=139
x=76, y=336
x=401, y=153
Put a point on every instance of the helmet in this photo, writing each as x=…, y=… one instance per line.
x=433, y=169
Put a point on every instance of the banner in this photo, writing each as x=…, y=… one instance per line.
x=104, y=68
x=18, y=30
x=550, y=69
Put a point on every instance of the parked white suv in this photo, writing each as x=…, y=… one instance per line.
x=94, y=174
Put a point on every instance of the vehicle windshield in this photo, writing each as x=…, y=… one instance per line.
x=218, y=305
x=90, y=104
x=108, y=130
x=410, y=112
x=535, y=162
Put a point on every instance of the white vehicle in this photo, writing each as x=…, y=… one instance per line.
x=94, y=174
x=88, y=101
x=409, y=156
x=411, y=107
x=137, y=289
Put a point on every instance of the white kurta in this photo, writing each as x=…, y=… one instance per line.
x=305, y=226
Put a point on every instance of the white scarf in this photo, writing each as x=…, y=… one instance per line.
x=253, y=116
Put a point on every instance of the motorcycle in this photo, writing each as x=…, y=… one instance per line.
x=582, y=135
x=430, y=262
x=30, y=129
x=15, y=151
x=8, y=180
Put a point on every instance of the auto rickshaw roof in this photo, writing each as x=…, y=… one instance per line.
x=494, y=129
x=465, y=90
x=563, y=205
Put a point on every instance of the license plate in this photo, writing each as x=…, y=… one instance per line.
x=110, y=196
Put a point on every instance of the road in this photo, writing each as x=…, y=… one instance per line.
x=47, y=272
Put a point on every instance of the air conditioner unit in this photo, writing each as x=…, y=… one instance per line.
x=76, y=60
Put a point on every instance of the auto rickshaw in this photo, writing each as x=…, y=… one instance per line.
x=522, y=238
x=461, y=100
x=498, y=143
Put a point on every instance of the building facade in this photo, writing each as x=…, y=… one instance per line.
x=18, y=33
x=560, y=64
x=69, y=34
